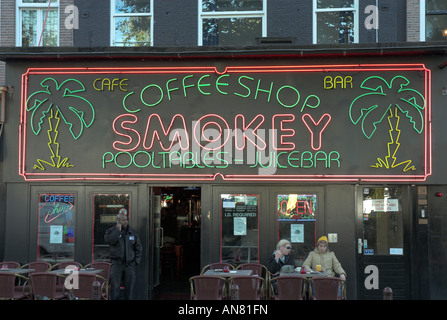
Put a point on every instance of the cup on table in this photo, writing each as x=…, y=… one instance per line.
x=319, y=267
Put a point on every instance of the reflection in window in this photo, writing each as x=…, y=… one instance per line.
x=38, y=23
x=240, y=228
x=56, y=227
x=105, y=209
x=296, y=216
x=436, y=20
x=323, y=4
x=336, y=21
x=228, y=5
x=382, y=221
x=231, y=31
x=231, y=23
x=132, y=22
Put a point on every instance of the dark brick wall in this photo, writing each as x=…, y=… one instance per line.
x=287, y=18
x=94, y=23
x=175, y=23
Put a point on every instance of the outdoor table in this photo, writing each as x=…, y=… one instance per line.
x=231, y=273
x=68, y=271
x=309, y=275
x=17, y=270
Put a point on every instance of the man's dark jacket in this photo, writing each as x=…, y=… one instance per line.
x=118, y=239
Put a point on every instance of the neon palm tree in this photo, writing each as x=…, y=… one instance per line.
x=389, y=98
x=59, y=102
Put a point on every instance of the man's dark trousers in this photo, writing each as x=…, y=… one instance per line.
x=118, y=271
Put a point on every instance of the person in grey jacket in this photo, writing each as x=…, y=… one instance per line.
x=125, y=253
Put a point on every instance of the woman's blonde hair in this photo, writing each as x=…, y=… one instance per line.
x=282, y=243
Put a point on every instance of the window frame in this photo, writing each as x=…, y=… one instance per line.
x=315, y=11
x=228, y=15
x=113, y=15
x=423, y=13
x=40, y=8
x=240, y=246
x=41, y=235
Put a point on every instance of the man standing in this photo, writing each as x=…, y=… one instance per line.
x=125, y=253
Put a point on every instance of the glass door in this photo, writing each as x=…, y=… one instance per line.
x=382, y=248
x=106, y=207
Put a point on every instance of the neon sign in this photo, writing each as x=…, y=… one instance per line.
x=253, y=123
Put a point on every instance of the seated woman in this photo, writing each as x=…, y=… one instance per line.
x=280, y=257
x=325, y=258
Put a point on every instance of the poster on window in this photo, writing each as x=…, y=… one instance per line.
x=297, y=233
x=240, y=226
x=56, y=233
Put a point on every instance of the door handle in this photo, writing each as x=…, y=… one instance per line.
x=359, y=245
x=161, y=237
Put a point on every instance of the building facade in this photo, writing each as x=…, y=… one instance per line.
x=221, y=127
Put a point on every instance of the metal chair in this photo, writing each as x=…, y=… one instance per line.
x=64, y=264
x=207, y=287
x=105, y=274
x=328, y=288
x=257, y=268
x=217, y=265
x=85, y=286
x=287, y=287
x=250, y=287
x=44, y=284
x=38, y=266
x=8, y=289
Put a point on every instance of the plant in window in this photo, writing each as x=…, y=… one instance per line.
x=389, y=98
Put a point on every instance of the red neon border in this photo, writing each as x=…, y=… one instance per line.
x=29, y=176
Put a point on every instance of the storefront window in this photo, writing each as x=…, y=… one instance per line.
x=296, y=214
x=131, y=23
x=106, y=207
x=382, y=221
x=436, y=20
x=38, y=23
x=240, y=228
x=336, y=21
x=226, y=23
x=56, y=232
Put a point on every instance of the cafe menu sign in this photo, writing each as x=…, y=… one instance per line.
x=244, y=123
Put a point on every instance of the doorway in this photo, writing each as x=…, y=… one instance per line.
x=383, y=249
x=177, y=217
